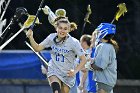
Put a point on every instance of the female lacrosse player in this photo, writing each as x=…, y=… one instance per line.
x=87, y=84
x=61, y=72
x=91, y=88
x=83, y=74
x=105, y=63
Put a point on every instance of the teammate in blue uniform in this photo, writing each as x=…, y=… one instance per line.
x=86, y=84
x=91, y=88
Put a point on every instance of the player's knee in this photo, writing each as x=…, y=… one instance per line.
x=55, y=87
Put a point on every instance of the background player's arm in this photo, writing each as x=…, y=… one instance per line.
x=80, y=53
x=33, y=43
x=95, y=67
x=82, y=63
x=79, y=67
x=83, y=78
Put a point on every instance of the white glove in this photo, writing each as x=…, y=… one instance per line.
x=87, y=65
x=50, y=13
x=46, y=10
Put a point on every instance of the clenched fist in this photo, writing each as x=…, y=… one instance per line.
x=46, y=10
x=29, y=33
x=43, y=69
x=71, y=73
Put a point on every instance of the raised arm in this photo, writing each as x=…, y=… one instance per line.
x=33, y=43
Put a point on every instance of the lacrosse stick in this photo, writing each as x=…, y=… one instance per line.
x=27, y=24
x=86, y=19
x=121, y=11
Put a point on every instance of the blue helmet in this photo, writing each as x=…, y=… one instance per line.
x=105, y=29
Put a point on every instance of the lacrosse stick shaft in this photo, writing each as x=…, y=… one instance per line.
x=113, y=20
x=43, y=59
x=9, y=40
x=83, y=28
x=6, y=29
x=41, y=4
x=86, y=19
x=5, y=10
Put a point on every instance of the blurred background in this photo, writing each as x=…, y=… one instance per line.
x=102, y=11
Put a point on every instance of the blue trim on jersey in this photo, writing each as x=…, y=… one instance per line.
x=91, y=83
x=77, y=79
x=92, y=53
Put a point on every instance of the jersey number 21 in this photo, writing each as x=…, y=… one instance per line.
x=60, y=58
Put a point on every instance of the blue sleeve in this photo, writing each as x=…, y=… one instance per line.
x=92, y=53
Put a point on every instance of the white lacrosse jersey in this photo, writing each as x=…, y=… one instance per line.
x=63, y=57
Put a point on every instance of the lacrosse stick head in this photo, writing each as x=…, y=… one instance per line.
x=20, y=11
x=60, y=13
x=30, y=20
x=122, y=10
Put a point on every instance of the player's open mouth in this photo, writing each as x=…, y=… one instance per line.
x=62, y=34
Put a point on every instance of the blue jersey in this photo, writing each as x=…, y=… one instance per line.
x=91, y=83
x=92, y=53
x=77, y=74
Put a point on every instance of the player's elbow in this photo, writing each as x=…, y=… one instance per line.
x=38, y=48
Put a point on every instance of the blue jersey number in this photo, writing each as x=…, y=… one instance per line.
x=60, y=58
